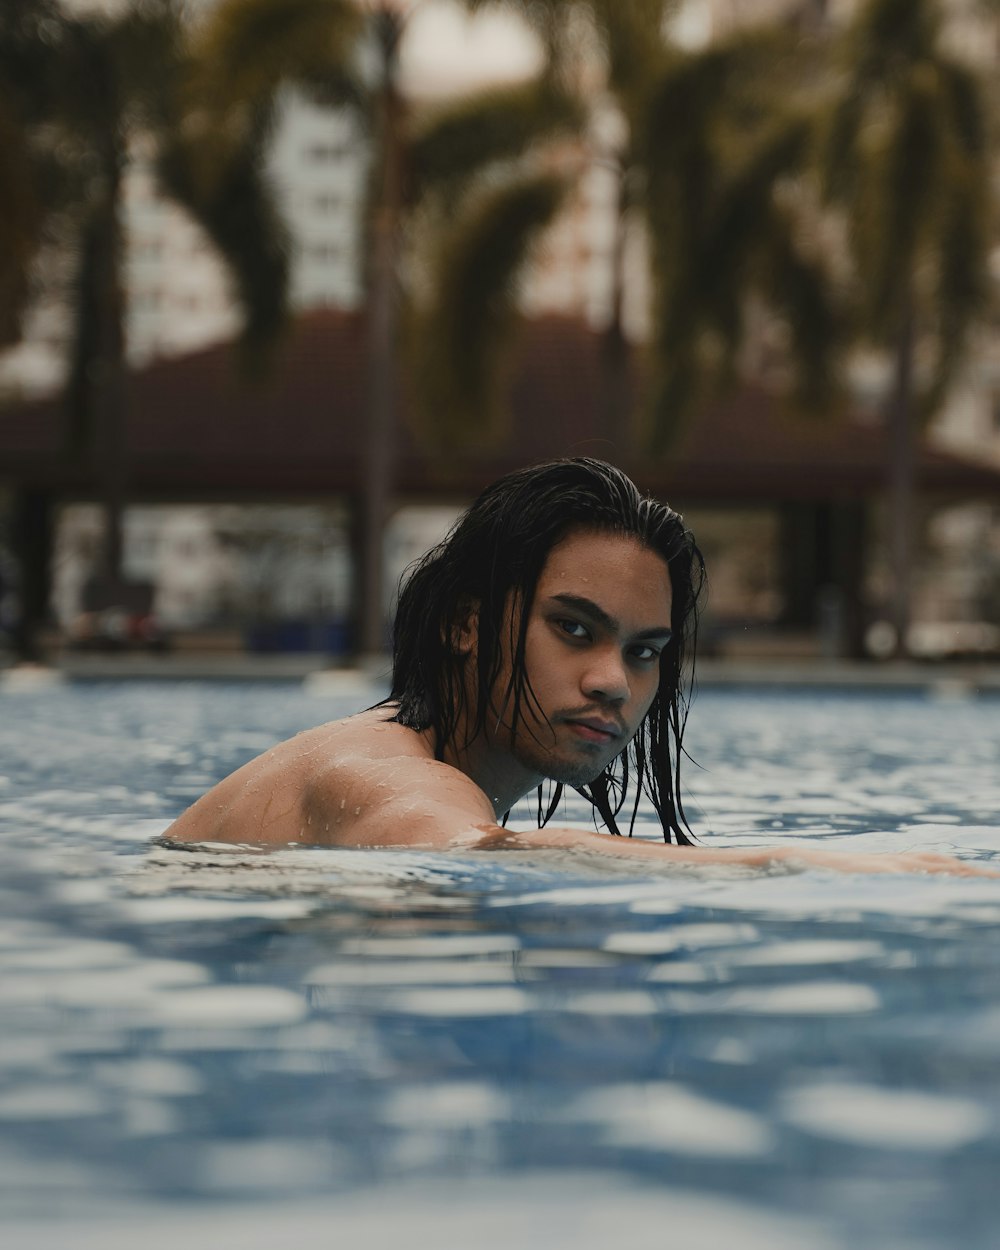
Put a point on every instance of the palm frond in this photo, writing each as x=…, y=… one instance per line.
x=905, y=191
x=875, y=56
x=682, y=104
x=248, y=48
x=800, y=290
x=962, y=97
x=460, y=342
x=454, y=146
x=674, y=146
x=884, y=37
x=31, y=34
x=962, y=288
x=632, y=35
x=19, y=224
x=838, y=130
x=911, y=150
x=677, y=385
x=240, y=217
x=719, y=144
x=746, y=203
x=145, y=44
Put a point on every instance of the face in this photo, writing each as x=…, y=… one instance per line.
x=599, y=622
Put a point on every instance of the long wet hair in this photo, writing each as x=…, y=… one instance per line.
x=492, y=558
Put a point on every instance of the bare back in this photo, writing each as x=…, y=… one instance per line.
x=363, y=781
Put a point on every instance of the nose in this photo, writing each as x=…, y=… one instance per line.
x=606, y=678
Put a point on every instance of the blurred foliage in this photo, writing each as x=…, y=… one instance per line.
x=724, y=136
x=831, y=182
x=247, y=49
x=436, y=163
x=905, y=155
x=25, y=173
x=79, y=95
x=19, y=219
x=476, y=223
x=712, y=146
x=484, y=201
x=459, y=141
x=462, y=339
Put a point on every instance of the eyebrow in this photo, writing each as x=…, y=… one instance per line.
x=597, y=615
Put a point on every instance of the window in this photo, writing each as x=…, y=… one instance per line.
x=147, y=251
x=327, y=152
x=327, y=202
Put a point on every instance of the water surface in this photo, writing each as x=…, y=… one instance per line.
x=498, y=1048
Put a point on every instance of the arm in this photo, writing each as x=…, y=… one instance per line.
x=452, y=813
x=667, y=853
x=427, y=805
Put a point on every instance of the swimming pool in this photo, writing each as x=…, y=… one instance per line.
x=353, y=1046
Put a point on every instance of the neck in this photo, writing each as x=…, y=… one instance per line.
x=494, y=770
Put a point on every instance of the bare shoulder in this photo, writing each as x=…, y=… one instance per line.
x=380, y=785
x=361, y=781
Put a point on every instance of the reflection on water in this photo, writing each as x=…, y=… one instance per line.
x=791, y=1059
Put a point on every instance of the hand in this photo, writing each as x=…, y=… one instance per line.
x=849, y=861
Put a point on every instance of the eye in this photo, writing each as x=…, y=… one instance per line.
x=643, y=653
x=573, y=629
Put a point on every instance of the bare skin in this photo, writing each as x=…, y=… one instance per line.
x=600, y=618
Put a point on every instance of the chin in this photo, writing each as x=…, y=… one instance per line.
x=567, y=772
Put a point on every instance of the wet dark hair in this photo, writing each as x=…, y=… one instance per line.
x=494, y=556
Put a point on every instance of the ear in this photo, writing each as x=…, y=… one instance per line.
x=465, y=631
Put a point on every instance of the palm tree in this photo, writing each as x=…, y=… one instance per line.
x=22, y=171
x=712, y=149
x=488, y=211
x=249, y=49
x=98, y=84
x=20, y=225
x=906, y=161
x=724, y=145
x=484, y=199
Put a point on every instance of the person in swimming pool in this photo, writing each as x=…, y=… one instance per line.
x=543, y=642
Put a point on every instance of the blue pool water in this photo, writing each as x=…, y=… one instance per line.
x=350, y=1047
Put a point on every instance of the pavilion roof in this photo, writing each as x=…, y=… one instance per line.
x=196, y=429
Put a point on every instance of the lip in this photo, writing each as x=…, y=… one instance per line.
x=593, y=729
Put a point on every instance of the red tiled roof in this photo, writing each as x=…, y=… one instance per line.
x=197, y=429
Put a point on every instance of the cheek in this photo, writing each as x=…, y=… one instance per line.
x=645, y=692
x=539, y=652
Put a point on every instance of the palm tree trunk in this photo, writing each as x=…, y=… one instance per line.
x=383, y=311
x=31, y=532
x=901, y=444
x=96, y=393
x=615, y=392
x=110, y=389
x=378, y=451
